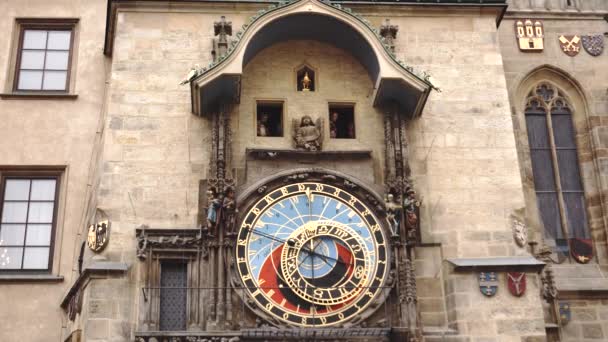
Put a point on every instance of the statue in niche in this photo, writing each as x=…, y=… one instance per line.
x=213, y=211
x=411, y=207
x=393, y=214
x=305, y=79
x=229, y=211
x=306, y=82
x=307, y=135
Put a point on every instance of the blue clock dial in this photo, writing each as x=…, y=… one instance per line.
x=311, y=254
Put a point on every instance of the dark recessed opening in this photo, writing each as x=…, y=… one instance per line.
x=342, y=121
x=269, y=119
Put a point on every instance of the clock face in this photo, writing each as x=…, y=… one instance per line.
x=311, y=254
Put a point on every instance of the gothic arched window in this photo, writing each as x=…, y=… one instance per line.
x=555, y=165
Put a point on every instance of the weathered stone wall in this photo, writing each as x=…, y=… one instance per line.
x=465, y=166
x=52, y=132
x=462, y=149
x=582, y=79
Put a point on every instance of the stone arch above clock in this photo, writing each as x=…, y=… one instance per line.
x=220, y=83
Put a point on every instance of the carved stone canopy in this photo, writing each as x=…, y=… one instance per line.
x=220, y=82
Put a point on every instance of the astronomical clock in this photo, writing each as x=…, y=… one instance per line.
x=311, y=254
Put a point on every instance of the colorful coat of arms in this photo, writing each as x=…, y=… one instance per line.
x=516, y=282
x=98, y=236
x=570, y=45
x=488, y=283
x=594, y=44
x=581, y=250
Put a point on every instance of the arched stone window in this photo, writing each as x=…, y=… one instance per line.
x=555, y=164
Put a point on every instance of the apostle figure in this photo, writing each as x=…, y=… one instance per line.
x=263, y=128
x=333, y=124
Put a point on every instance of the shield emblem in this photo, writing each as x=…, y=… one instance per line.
x=594, y=44
x=520, y=233
x=581, y=250
x=570, y=45
x=488, y=283
x=98, y=235
x=516, y=282
x=564, y=313
x=560, y=251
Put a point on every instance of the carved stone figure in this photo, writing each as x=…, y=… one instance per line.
x=520, y=232
x=307, y=135
x=222, y=29
x=410, y=208
x=393, y=214
x=389, y=33
x=213, y=210
x=229, y=211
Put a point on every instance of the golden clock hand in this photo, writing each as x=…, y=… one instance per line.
x=291, y=243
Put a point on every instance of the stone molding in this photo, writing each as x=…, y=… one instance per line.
x=520, y=264
x=97, y=268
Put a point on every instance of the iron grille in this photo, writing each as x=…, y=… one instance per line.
x=173, y=296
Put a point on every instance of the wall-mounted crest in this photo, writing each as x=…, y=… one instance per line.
x=530, y=35
x=98, y=235
x=488, y=283
x=581, y=250
x=594, y=44
x=516, y=282
x=570, y=44
x=564, y=313
x=520, y=232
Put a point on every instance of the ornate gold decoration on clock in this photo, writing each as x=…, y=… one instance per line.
x=311, y=254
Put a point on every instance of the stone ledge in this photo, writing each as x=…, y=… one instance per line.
x=38, y=96
x=34, y=278
x=102, y=268
x=522, y=264
x=274, y=154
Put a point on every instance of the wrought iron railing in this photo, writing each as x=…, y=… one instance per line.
x=212, y=314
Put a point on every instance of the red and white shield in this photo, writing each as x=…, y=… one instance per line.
x=516, y=282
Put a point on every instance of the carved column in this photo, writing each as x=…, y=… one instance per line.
x=401, y=201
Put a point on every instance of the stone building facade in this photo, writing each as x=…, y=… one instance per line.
x=144, y=141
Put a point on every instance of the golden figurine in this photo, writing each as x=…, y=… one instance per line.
x=306, y=82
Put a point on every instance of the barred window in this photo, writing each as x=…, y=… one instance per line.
x=173, y=295
x=555, y=165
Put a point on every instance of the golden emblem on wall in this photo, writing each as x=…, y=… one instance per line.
x=530, y=35
x=570, y=45
x=98, y=235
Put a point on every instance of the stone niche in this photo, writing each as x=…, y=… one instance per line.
x=270, y=76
